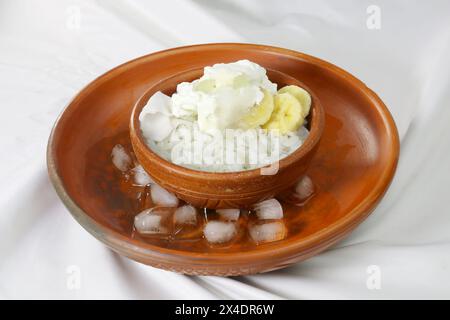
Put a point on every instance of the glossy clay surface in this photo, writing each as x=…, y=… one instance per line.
x=352, y=168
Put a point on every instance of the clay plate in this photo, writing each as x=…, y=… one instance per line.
x=352, y=168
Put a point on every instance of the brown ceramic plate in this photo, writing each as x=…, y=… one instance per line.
x=352, y=169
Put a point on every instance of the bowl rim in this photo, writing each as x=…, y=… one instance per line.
x=313, y=138
x=119, y=242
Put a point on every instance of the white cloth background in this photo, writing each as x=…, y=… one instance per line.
x=50, y=49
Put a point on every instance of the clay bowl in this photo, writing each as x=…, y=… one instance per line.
x=351, y=169
x=227, y=189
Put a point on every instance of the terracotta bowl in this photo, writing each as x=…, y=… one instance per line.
x=227, y=189
x=351, y=170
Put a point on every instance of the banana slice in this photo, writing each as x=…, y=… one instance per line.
x=259, y=114
x=302, y=96
x=287, y=115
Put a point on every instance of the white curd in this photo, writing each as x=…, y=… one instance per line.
x=190, y=127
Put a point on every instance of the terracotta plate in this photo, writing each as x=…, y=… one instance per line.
x=351, y=170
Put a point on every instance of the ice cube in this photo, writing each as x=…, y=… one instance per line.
x=154, y=221
x=162, y=197
x=229, y=214
x=304, y=188
x=267, y=231
x=158, y=103
x=156, y=126
x=219, y=231
x=188, y=224
x=120, y=158
x=141, y=177
x=268, y=209
x=186, y=214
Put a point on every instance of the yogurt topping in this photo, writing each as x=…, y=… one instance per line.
x=220, y=98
